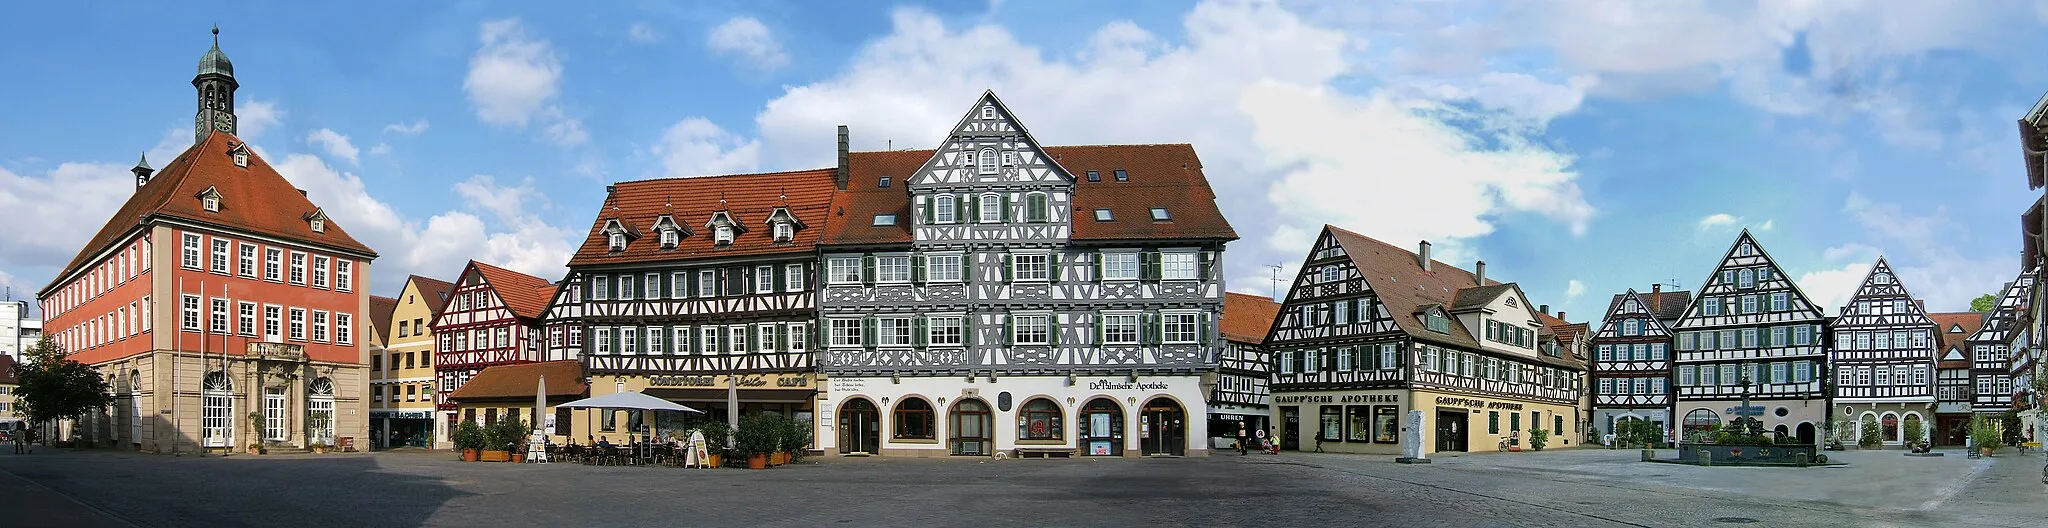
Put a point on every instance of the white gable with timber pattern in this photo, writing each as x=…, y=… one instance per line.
x=1881, y=287
x=1726, y=287
x=1326, y=280
x=990, y=127
x=1632, y=307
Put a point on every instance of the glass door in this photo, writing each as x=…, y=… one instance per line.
x=216, y=410
x=970, y=426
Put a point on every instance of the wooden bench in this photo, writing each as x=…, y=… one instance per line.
x=2024, y=446
x=1044, y=452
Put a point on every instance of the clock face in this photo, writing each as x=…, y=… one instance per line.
x=224, y=123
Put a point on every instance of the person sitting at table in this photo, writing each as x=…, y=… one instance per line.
x=604, y=441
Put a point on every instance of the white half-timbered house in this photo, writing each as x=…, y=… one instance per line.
x=1991, y=346
x=1750, y=323
x=998, y=295
x=1631, y=377
x=492, y=317
x=1242, y=396
x=1883, y=358
x=1369, y=332
x=698, y=291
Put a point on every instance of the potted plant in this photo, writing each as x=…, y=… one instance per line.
x=1915, y=435
x=256, y=432
x=796, y=438
x=756, y=438
x=1984, y=434
x=469, y=438
x=514, y=434
x=1538, y=437
x=717, y=440
x=318, y=447
x=499, y=439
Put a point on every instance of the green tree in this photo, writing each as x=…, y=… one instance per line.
x=1983, y=303
x=55, y=387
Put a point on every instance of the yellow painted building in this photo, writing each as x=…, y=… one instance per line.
x=508, y=391
x=402, y=395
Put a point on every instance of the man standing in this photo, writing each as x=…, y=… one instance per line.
x=1243, y=440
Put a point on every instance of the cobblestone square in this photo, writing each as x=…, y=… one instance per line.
x=1557, y=488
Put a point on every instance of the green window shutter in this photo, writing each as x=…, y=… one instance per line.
x=781, y=277
x=867, y=332
x=1009, y=330
x=1006, y=207
x=1207, y=328
x=967, y=330
x=925, y=210
x=967, y=267
x=1101, y=329
x=1095, y=267
x=1052, y=330
x=973, y=208
x=753, y=337
x=867, y=270
x=689, y=283
x=1008, y=265
x=917, y=263
x=696, y=340
x=1052, y=267
x=1202, y=270
x=782, y=337
x=918, y=327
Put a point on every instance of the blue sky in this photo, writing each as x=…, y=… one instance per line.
x=1580, y=147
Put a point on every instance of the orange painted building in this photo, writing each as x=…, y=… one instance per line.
x=225, y=307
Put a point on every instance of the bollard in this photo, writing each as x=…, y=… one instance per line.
x=1800, y=459
x=1649, y=454
x=1706, y=457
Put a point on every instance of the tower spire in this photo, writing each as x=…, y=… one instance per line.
x=215, y=84
x=142, y=170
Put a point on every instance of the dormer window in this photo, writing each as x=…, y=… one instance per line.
x=885, y=220
x=882, y=183
x=669, y=239
x=1436, y=322
x=784, y=232
x=319, y=225
x=1159, y=215
x=240, y=153
x=209, y=199
x=618, y=242
x=670, y=233
x=722, y=235
x=988, y=161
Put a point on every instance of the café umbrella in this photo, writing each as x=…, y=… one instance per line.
x=628, y=400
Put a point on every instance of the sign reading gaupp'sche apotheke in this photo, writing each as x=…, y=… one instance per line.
x=1477, y=403
x=1335, y=398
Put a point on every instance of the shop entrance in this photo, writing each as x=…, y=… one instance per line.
x=1806, y=433
x=1165, y=428
x=1450, y=431
x=1102, y=428
x=860, y=427
x=1290, y=422
x=970, y=428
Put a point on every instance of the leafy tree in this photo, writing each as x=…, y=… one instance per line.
x=1983, y=303
x=55, y=387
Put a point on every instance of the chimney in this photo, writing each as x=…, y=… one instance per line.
x=1656, y=288
x=1479, y=273
x=845, y=172
x=1422, y=254
x=1545, y=308
x=1560, y=316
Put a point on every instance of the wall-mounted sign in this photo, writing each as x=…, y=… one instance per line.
x=1334, y=398
x=1105, y=385
x=753, y=381
x=1477, y=403
x=277, y=351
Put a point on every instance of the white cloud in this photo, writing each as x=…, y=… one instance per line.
x=1830, y=288
x=336, y=144
x=64, y=207
x=512, y=76
x=746, y=38
x=417, y=127
x=698, y=147
x=379, y=149
x=643, y=33
x=564, y=131
x=254, y=116
x=1573, y=289
x=1926, y=260
x=1718, y=220
x=1767, y=225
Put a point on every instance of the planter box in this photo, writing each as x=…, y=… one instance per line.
x=1770, y=454
x=495, y=456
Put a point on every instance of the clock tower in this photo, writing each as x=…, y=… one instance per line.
x=216, y=86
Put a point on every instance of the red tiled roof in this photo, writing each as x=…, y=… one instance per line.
x=381, y=308
x=565, y=379
x=747, y=199
x=434, y=292
x=7, y=371
x=1165, y=176
x=1397, y=278
x=1247, y=318
x=255, y=200
x=1970, y=321
x=1667, y=306
x=526, y=295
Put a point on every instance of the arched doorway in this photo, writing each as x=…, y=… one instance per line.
x=1888, y=428
x=1781, y=431
x=1914, y=430
x=320, y=411
x=1700, y=422
x=1805, y=433
x=217, y=410
x=1102, y=428
x=970, y=428
x=1165, y=428
x=860, y=427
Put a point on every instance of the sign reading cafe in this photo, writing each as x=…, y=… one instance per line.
x=741, y=381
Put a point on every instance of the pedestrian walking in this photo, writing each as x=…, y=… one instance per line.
x=1243, y=440
x=1319, y=441
x=20, y=442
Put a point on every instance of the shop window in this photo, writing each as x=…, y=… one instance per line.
x=914, y=419
x=1333, y=423
x=1361, y=423
x=1041, y=421
x=1387, y=424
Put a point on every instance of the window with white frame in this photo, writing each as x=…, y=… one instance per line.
x=344, y=329
x=298, y=268
x=1389, y=356
x=722, y=235
x=190, y=257
x=1710, y=306
x=1686, y=376
x=319, y=326
x=1330, y=274
x=988, y=161
x=737, y=337
x=1120, y=329
x=842, y=270
x=942, y=209
x=892, y=268
x=344, y=275
x=1178, y=327
x=942, y=268
x=220, y=256
x=320, y=272
x=245, y=262
x=764, y=279
x=273, y=321
x=1031, y=329
x=298, y=324
x=245, y=318
x=707, y=283
x=707, y=338
x=600, y=287
x=1178, y=266
x=629, y=340
x=1778, y=302
x=798, y=337
x=1029, y=267
x=1120, y=266
x=273, y=264
x=218, y=320
x=892, y=331
x=792, y=278
x=1287, y=362
x=617, y=241
x=991, y=208
x=604, y=340
x=626, y=287
x=656, y=340
x=669, y=238
x=945, y=331
x=844, y=332
x=188, y=316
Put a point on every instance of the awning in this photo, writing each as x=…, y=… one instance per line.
x=718, y=395
x=628, y=400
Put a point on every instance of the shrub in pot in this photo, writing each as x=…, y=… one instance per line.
x=1539, y=437
x=470, y=439
x=717, y=441
x=1867, y=435
x=796, y=438
x=756, y=438
x=318, y=447
x=1984, y=434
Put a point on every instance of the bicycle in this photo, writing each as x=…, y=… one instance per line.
x=1503, y=445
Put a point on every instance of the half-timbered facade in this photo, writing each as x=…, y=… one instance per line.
x=1070, y=291
x=1241, y=395
x=1369, y=331
x=1991, y=346
x=1631, y=377
x=1954, y=386
x=492, y=317
x=1883, y=358
x=1751, y=331
x=699, y=291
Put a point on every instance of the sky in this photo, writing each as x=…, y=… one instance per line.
x=1580, y=147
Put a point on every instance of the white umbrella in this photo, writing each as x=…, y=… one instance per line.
x=628, y=400
x=535, y=449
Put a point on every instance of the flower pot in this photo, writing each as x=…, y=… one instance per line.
x=757, y=461
x=318, y=450
x=469, y=455
x=255, y=450
x=1985, y=450
x=778, y=458
x=715, y=460
x=519, y=458
x=489, y=455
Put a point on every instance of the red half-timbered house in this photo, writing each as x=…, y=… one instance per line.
x=493, y=317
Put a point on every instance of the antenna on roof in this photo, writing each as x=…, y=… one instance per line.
x=892, y=144
x=1276, y=280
